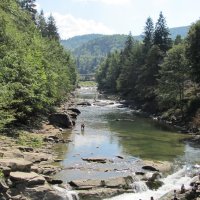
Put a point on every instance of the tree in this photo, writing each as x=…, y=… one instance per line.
x=178, y=40
x=193, y=50
x=29, y=5
x=148, y=34
x=52, y=31
x=173, y=76
x=161, y=34
x=41, y=24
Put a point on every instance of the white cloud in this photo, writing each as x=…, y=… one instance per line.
x=109, y=2
x=69, y=26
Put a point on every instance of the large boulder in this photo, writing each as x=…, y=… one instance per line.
x=43, y=192
x=16, y=164
x=27, y=179
x=62, y=120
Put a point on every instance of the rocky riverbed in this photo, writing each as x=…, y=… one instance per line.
x=27, y=172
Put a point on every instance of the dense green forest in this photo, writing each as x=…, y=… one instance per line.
x=90, y=50
x=36, y=73
x=159, y=75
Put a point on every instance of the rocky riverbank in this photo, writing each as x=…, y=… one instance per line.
x=27, y=159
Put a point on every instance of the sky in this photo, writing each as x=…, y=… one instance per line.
x=79, y=17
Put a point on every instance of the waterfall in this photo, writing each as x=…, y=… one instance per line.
x=171, y=182
x=67, y=194
x=139, y=186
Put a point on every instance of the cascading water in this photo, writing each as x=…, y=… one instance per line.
x=171, y=183
x=67, y=194
x=139, y=186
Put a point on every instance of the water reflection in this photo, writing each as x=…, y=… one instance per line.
x=111, y=131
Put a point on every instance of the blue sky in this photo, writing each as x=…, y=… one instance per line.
x=78, y=17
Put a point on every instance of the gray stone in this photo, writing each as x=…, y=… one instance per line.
x=28, y=179
x=62, y=120
x=16, y=164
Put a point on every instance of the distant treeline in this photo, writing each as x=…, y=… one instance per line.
x=158, y=75
x=36, y=73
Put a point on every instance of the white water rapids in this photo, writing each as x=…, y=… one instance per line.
x=171, y=182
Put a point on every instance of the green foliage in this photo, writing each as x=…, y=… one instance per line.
x=31, y=140
x=173, y=76
x=36, y=72
x=193, y=50
x=1, y=174
x=154, y=74
x=161, y=34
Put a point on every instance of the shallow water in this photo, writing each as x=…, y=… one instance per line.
x=112, y=131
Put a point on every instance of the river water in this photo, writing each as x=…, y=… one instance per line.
x=122, y=137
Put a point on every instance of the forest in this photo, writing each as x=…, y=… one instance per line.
x=158, y=75
x=36, y=73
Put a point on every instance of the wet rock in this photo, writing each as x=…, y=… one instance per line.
x=99, y=160
x=150, y=168
x=85, y=184
x=53, y=181
x=154, y=185
x=120, y=157
x=100, y=193
x=42, y=192
x=75, y=110
x=84, y=103
x=16, y=164
x=161, y=166
x=3, y=186
x=62, y=120
x=119, y=182
x=28, y=179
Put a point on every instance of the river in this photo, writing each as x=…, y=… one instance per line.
x=121, y=136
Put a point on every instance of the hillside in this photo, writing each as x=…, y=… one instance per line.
x=89, y=50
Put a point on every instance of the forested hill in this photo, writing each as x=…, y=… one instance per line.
x=89, y=50
x=36, y=73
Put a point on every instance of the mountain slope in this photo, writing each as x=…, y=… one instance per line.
x=89, y=50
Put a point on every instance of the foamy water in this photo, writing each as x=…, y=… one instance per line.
x=171, y=183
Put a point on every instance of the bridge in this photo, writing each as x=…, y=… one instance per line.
x=87, y=77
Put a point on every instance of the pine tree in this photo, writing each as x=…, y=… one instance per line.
x=52, y=31
x=161, y=34
x=148, y=34
x=29, y=5
x=41, y=24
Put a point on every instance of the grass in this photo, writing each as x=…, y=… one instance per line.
x=1, y=174
x=30, y=139
x=87, y=83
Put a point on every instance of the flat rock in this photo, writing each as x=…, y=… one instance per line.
x=85, y=184
x=99, y=160
x=16, y=164
x=161, y=166
x=27, y=178
x=119, y=182
x=36, y=157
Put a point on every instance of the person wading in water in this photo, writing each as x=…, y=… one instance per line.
x=82, y=126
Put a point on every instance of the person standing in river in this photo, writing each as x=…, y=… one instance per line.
x=82, y=126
